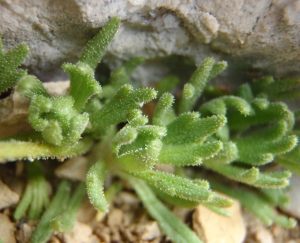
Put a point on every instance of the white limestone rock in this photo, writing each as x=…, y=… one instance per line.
x=260, y=35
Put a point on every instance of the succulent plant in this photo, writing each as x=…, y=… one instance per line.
x=237, y=136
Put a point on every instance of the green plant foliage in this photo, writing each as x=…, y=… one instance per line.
x=193, y=90
x=236, y=135
x=170, y=224
x=35, y=196
x=66, y=220
x=9, y=61
x=60, y=201
x=15, y=150
x=278, y=90
x=257, y=205
x=94, y=50
x=94, y=182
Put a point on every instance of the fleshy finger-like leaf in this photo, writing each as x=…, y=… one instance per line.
x=8, y=63
x=248, y=176
x=44, y=230
x=290, y=160
x=169, y=223
x=271, y=133
x=228, y=154
x=163, y=106
x=13, y=58
x=275, y=197
x=188, y=128
x=16, y=150
x=95, y=185
x=193, y=90
x=35, y=197
x=95, y=48
x=220, y=105
x=257, y=151
x=253, y=176
x=66, y=221
x=142, y=153
x=282, y=89
x=274, y=112
x=175, y=185
x=125, y=136
x=119, y=107
x=166, y=84
x=188, y=154
x=256, y=205
x=82, y=83
x=29, y=86
x=273, y=180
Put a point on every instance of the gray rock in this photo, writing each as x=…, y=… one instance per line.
x=294, y=196
x=251, y=35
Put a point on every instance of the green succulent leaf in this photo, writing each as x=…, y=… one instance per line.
x=119, y=107
x=95, y=48
x=290, y=160
x=273, y=180
x=248, y=176
x=189, y=128
x=57, y=119
x=257, y=151
x=162, y=110
x=175, y=185
x=216, y=69
x=66, y=221
x=125, y=136
x=273, y=112
x=16, y=150
x=120, y=77
x=253, y=176
x=29, y=86
x=9, y=79
x=35, y=197
x=166, y=84
x=142, y=153
x=188, y=154
x=44, y=230
x=275, y=197
x=220, y=105
x=82, y=83
x=193, y=90
x=245, y=92
x=256, y=205
x=169, y=223
x=227, y=154
x=95, y=184
x=8, y=63
x=282, y=89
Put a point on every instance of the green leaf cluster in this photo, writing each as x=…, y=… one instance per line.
x=237, y=136
x=9, y=74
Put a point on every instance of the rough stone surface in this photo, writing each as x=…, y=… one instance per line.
x=7, y=196
x=7, y=229
x=294, y=196
x=214, y=228
x=251, y=35
x=73, y=169
x=80, y=233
